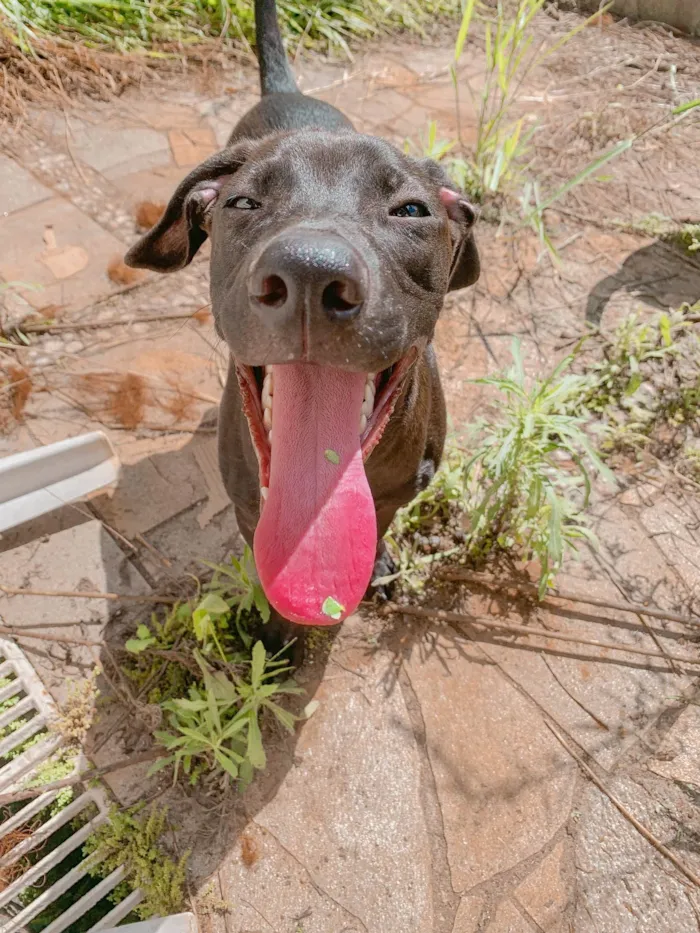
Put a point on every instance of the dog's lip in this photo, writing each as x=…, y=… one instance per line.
x=389, y=390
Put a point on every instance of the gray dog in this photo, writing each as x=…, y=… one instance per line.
x=331, y=256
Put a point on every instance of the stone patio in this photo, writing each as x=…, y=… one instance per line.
x=427, y=794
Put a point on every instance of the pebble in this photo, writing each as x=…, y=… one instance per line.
x=52, y=345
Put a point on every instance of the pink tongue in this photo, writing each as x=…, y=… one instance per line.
x=316, y=540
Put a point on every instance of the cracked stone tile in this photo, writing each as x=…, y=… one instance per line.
x=504, y=785
x=544, y=894
x=678, y=757
x=193, y=145
x=84, y=557
x=159, y=478
x=508, y=919
x=635, y=558
x=269, y=889
x=623, y=884
x=156, y=184
x=672, y=524
x=574, y=683
x=107, y=144
x=468, y=915
x=350, y=811
x=86, y=188
x=19, y=188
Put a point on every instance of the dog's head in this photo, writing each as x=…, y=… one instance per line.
x=331, y=257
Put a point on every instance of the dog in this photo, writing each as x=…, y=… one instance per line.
x=331, y=254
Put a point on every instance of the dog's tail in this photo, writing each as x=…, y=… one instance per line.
x=275, y=74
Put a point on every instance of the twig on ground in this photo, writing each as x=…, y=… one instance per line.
x=78, y=778
x=462, y=619
x=566, y=690
x=486, y=579
x=646, y=833
x=89, y=594
x=41, y=636
x=54, y=328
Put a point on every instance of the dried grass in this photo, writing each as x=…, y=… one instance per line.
x=121, y=399
x=56, y=73
x=16, y=386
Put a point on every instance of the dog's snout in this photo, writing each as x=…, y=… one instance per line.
x=311, y=270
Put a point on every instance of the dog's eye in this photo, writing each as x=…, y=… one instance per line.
x=242, y=203
x=412, y=209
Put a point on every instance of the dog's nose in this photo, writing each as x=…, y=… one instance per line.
x=320, y=271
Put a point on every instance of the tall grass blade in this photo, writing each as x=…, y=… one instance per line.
x=464, y=28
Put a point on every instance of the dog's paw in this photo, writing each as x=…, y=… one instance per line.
x=279, y=635
x=384, y=566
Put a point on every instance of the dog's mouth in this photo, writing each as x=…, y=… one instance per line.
x=313, y=427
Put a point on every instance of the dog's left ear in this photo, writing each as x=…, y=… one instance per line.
x=465, y=258
x=182, y=229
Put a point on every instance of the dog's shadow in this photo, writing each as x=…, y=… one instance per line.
x=661, y=275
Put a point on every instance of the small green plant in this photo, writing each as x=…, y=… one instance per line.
x=529, y=480
x=216, y=728
x=133, y=839
x=644, y=383
x=619, y=373
x=209, y=901
x=60, y=765
x=236, y=585
x=216, y=680
x=685, y=235
x=501, y=148
x=690, y=463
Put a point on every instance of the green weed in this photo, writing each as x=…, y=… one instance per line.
x=529, y=480
x=217, y=729
x=133, y=839
x=523, y=488
x=219, y=680
x=645, y=382
x=619, y=374
x=685, y=235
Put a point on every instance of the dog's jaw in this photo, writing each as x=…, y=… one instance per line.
x=381, y=393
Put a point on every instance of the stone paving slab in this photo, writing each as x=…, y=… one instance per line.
x=84, y=557
x=505, y=787
x=70, y=270
x=19, y=188
x=107, y=147
x=624, y=885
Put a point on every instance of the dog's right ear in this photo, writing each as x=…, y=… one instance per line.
x=182, y=229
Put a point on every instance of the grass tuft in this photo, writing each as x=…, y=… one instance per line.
x=144, y=25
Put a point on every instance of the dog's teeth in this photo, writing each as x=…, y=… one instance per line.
x=266, y=396
x=269, y=437
x=363, y=423
x=369, y=394
x=264, y=491
x=267, y=418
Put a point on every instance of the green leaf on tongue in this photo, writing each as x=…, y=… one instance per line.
x=332, y=457
x=332, y=608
